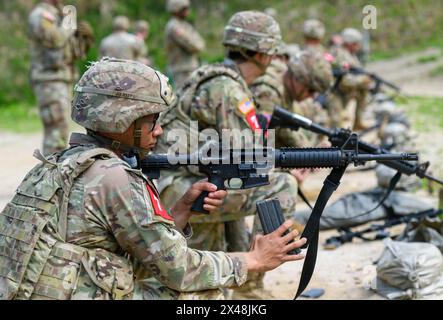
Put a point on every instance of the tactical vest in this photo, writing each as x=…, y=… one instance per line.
x=178, y=117
x=35, y=260
x=200, y=76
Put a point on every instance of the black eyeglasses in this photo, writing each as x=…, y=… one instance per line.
x=152, y=122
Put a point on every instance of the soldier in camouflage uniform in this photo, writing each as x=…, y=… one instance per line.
x=142, y=33
x=351, y=86
x=183, y=42
x=121, y=44
x=313, y=35
x=292, y=86
x=86, y=225
x=219, y=98
x=54, y=50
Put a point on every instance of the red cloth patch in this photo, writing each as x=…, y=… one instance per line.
x=159, y=210
x=251, y=118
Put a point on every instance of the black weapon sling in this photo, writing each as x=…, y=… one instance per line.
x=311, y=231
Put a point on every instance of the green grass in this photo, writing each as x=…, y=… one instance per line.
x=427, y=59
x=425, y=113
x=437, y=72
x=19, y=118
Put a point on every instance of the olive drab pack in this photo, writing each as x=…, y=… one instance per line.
x=200, y=76
x=35, y=260
x=178, y=117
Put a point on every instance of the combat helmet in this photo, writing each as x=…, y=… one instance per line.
x=252, y=30
x=312, y=70
x=313, y=29
x=141, y=26
x=174, y=6
x=351, y=35
x=120, y=23
x=112, y=94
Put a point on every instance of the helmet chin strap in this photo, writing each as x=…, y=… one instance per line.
x=119, y=146
x=260, y=65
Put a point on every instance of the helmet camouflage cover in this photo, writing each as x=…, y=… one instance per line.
x=314, y=29
x=120, y=23
x=176, y=5
x=312, y=70
x=351, y=35
x=253, y=30
x=113, y=93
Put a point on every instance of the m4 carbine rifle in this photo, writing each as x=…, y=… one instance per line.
x=244, y=169
x=339, y=73
x=347, y=235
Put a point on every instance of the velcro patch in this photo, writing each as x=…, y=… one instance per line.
x=159, y=210
x=245, y=106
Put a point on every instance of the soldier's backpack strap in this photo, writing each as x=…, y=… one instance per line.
x=271, y=82
x=200, y=76
x=78, y=165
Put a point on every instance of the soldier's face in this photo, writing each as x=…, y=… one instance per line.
x=353, y=47
x=151, y=130
x=296, y=90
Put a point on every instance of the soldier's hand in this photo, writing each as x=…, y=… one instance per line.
x=182, y=209
x=84, y=29
x=270, y=251
x=212, y=202
x=367, y=82
x=300, y=174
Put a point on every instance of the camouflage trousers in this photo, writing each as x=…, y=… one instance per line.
x=152, y=289
x=53, y=99
x=226, y=230
x=349, y=210
x=337, y=103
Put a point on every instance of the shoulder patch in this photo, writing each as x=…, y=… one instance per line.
x=159, y=210
x=247, y=108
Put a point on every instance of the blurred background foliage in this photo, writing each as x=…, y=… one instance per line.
x=403, y=25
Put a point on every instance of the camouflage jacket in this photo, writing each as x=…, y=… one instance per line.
x=218, y=98
x=122, y=45
x=51, y=46
x=268, y=90
x=316, y=48
x=349, y=82
x=183, y=44
x=114, y=222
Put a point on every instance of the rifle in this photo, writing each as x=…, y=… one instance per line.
x=244, y=169
x=347, y=235
x=339, y=137
x=340, y=72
